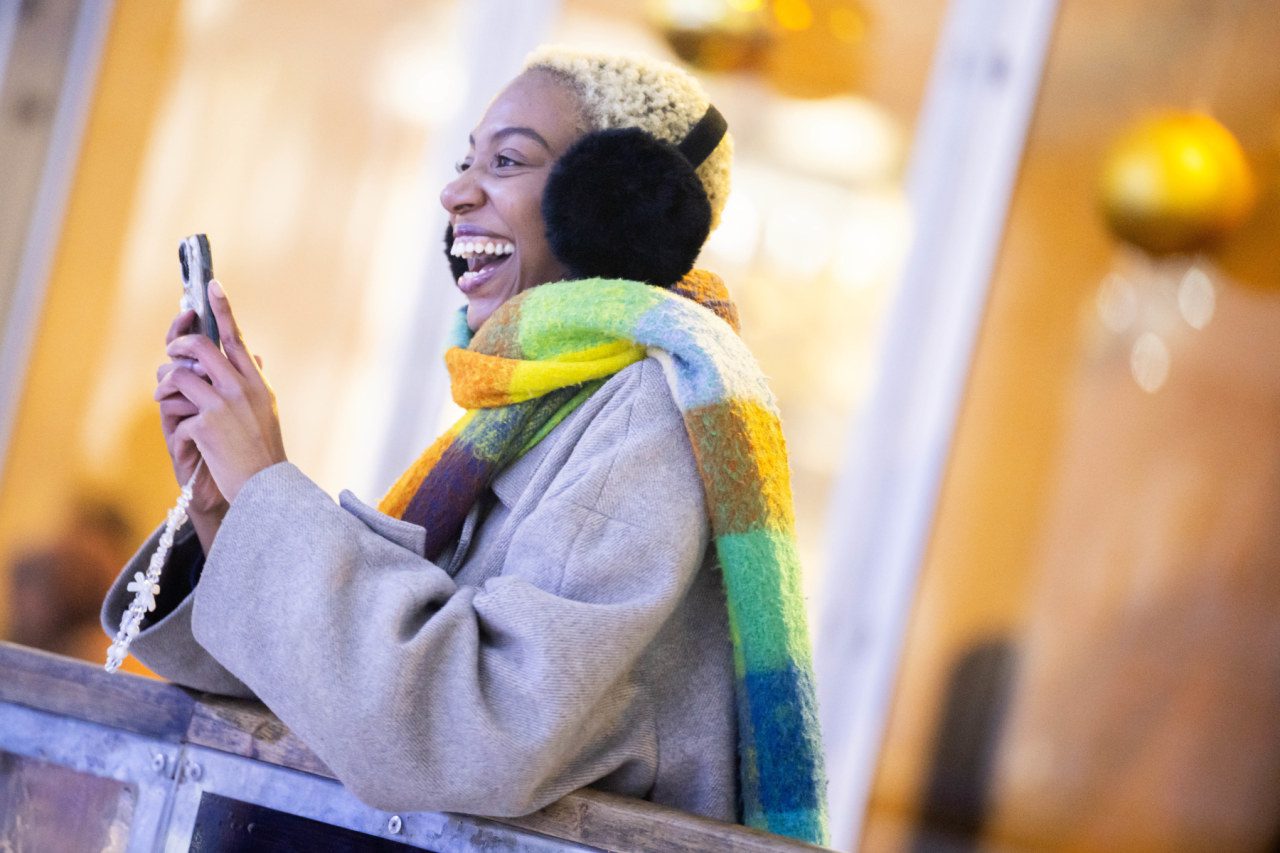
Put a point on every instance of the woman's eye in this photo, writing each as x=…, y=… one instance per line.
x=461, y=166
x=501, y=160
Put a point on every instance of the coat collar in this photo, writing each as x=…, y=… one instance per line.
x=511, y=482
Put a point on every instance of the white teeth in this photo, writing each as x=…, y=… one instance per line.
x=467, y=248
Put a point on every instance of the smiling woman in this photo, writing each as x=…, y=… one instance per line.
x=544, y=599
x=495, y=202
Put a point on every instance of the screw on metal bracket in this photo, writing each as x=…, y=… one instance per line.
x=191, y=770
x=395, y=824
x=158, y=762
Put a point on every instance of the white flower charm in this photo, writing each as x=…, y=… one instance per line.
x=146, y=590
x=145, y=587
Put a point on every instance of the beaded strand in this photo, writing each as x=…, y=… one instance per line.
x=147, y=587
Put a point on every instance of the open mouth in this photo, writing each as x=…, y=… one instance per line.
x=483, y=257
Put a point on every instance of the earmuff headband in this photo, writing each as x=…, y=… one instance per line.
x=703, y=138
x=621, y=203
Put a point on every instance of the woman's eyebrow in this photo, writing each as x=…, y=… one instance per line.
x=519, y=131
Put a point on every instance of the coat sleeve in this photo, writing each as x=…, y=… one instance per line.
x=495, y=699
x=165, y=643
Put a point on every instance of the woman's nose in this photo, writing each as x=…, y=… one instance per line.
x=462, y=193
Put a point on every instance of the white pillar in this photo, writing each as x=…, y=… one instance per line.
x=968, y=147
x=35, y=241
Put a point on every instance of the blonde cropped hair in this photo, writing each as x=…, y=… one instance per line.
x=630, y=90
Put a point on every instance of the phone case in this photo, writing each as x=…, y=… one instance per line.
x=197, y=272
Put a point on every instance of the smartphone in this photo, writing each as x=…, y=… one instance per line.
x=197, y=272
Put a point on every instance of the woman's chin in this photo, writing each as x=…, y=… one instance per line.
x=476, y=316
x=482, y=301
x=480, y=307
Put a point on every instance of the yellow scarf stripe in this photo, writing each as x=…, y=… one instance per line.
x=535, y=378
x=486, y=381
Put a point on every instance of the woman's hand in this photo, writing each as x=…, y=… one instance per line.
x=231, y=419
x=206, y=500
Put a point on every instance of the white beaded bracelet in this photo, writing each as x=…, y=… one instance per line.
x=147, y=587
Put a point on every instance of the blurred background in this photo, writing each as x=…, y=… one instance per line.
x=1013, y=267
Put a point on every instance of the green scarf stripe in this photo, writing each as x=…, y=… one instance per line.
x=580, y=396
x=498, y=435
x=770, y=604
x=557, y=320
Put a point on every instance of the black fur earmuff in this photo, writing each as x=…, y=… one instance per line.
x=622, y=203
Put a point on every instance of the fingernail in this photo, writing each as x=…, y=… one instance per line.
x=215, y=287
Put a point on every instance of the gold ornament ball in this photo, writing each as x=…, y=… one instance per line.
x=818, y=49
x=713, y=35
x=1176, y=182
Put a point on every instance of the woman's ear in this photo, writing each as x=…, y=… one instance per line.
x=622, y=204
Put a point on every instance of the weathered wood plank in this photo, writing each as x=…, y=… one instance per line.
x=600, y=819
x=63, y=685
x=244, y=727
x=588, y=817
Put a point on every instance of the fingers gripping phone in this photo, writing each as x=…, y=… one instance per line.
x=197, y=272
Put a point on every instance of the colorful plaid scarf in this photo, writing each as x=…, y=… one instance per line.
x=533, y=362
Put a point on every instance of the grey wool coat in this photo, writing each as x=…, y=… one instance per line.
x=575, y=635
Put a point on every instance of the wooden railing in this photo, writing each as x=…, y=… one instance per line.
x=95, y=761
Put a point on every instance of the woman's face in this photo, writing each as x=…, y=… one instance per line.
x=495, y=202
